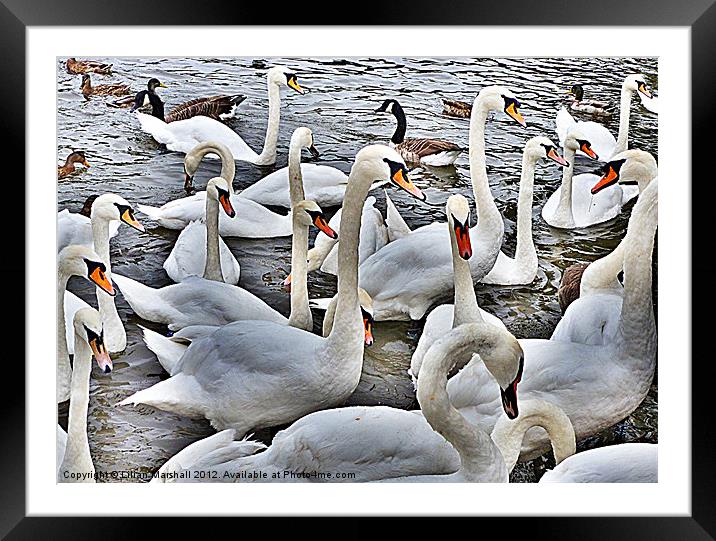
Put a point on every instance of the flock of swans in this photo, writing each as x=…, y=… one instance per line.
x=487, y=399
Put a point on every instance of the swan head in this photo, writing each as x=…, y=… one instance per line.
x=155, y=83
x=88, y=326
x=636, y=82
x=458, y=215
x=542, y=147
x=282, y=76
x=79, y=260
x=366, y=309
x=219, y=189
x=308, y=213
x=505, y=360
x=192, y=160
x=381, y=163
x=500, y=98
x=628, y=167
x=303, y=138
x=113, y=207
x=575, y=140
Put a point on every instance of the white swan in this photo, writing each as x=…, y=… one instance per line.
x=595, y=318
x=184, y=135
x=522, y=269
x=75, y=260
x=252, y=220
x=365, y=443
x=106, y=213
x=76, y=228
x=375, y=233
x=445, y=317
x=238, y=376
x=74, y=462
x=601, y=139
x=199, y=250
x=207, y=300
x=409, y=274
x=624, y=463
x=573, y=205
x=596, y=385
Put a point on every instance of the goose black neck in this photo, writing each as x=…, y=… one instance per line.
x=399, y=135
x=157, y=105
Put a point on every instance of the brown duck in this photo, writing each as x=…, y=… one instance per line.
x=69, y=168
x=456, y=108
x=570, y=284
x=78, y=67
x=102, y=90
x=216, y=107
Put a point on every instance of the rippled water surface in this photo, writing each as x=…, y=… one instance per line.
x=339, y=109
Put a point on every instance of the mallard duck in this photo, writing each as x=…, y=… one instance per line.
x=217, y=107
x=456, y=108
x=435, y=152
x=102, y=90
x=78, y=67
x=589, y=107
x=69, y=167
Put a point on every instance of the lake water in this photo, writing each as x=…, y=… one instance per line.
x=339, y=109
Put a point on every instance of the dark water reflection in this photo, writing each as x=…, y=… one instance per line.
x=339, y=110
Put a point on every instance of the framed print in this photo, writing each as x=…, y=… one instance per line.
x=299, y=266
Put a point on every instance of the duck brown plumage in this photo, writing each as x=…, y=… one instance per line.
x=69, y=167
x=78, y=67
x=456, y=108
x=102, y=90
x=570, y=284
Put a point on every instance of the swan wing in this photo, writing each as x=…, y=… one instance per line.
x=592, y=320
x=624, y=463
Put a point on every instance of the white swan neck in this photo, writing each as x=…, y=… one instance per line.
x=563, y=214
x=526, y=254
x=295, y=178
x=64, y=370
x=228, y=165
x=348, y=316
x=300, y=316
x=604, y=272
x=624, y=111
x=268, y=154
x=111, y=322
x=508, y=434
x=479, y=457
x=212, y=267
x=478, y=168
x=636, y=325
x=465, y=307
x=77, y=452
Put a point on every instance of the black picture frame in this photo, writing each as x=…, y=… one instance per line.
x=699, y=15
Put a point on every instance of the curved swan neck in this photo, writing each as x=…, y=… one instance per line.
x=348, y=315
x=486, y=209
x=228, y=165
x=624, y=111
x=508, y=434
x=300, y=316
x=268, y=154
x=399, y=134
x=479, y=457
x=465, y=307
x=636, y=324
x=526, y=255
x=603, y=273
x=564, y=214
x=212, y=267
x=77, y=451
x=64, y=370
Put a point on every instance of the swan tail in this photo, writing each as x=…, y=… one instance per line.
x=397, y=227
x=321, y=303
x=155, y=213
x=168, y=351
x=216, y=449
x=144, y=300
x=179, y=394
